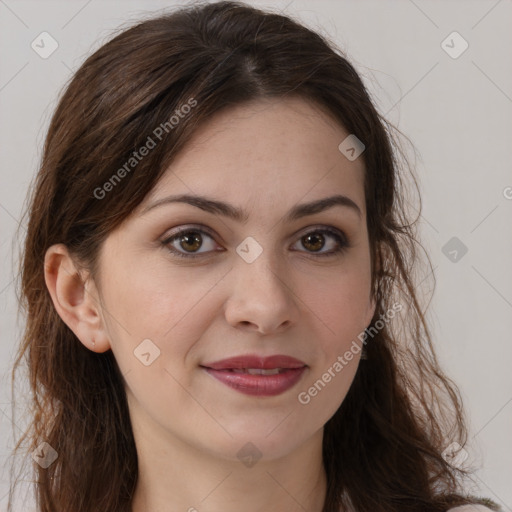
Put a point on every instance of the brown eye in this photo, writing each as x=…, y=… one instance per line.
x=186, y=242
x=316, y=240
x=313, y=242
x=190, y=241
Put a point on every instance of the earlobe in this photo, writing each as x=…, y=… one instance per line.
x=78, y=307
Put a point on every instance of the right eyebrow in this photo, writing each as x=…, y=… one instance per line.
x=221, y=208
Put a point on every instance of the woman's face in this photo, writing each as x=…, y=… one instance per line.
x=261, y=285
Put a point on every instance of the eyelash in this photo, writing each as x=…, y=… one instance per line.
x=339, y=236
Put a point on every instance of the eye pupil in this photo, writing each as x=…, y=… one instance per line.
x=317, y=241
x=191, y=238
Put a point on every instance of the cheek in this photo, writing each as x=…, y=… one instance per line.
x=340, y=301
x=153, y=300
x=339, y=307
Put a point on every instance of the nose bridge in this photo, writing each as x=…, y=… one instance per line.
x=260, y=293
x=258, y=265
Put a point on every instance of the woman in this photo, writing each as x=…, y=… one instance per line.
x=217, y=274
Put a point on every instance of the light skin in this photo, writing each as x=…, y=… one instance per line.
x=265, y=157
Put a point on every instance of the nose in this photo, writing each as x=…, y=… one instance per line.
x=261, y=297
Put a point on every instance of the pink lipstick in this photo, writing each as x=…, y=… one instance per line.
x=258, y=375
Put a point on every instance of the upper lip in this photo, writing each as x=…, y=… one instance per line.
x=255, y=361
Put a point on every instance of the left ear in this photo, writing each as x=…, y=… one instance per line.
x=75, y=299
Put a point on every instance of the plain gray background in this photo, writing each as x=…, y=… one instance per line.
x=456, y=111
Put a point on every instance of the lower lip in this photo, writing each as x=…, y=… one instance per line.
x=259, y=385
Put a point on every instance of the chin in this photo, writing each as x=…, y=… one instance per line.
x=258, y=437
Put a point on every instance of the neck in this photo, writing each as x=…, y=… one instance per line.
x=174, y=476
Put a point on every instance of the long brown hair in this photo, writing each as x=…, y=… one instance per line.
x=383, y=448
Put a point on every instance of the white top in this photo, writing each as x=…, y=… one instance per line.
x=470, y=508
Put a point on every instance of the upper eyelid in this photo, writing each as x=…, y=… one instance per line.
x=203, y=229
x=210, y=232
x=186, y=228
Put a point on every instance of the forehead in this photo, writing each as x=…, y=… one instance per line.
x=270, y=151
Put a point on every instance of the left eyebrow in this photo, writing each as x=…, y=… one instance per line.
x=240, y=215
